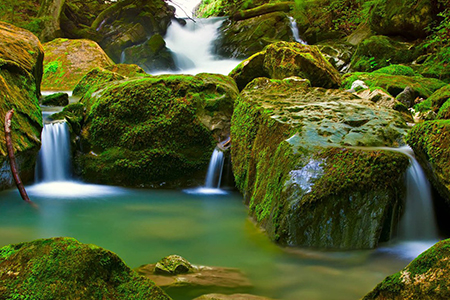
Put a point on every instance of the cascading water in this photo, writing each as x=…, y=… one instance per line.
x=295, y=33
x=418, y=221
x=191, y=46
x=54, y=157
x=214, y=175
x=418, y=227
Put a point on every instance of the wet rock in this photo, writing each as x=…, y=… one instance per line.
x=56, y=99
x=406, y=97
x=152, y=55
x=67, y=61
x=380, y=51
x=240, y=39
x=400, y=17
x=173, y=265
x=194, y=280
x=294, y=163
x=282, y=60
x=338, y=54
x=231, y=297
x=426, y=277
x=151, y=129
x=21, y=56
x=430, y=141
x=63, y=268
x=262, y=10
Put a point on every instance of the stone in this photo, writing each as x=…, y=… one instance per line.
x=231, y=297
x=262, y=10
x=21, y=57
x=241, y=39
x=339, y=54
x=401, y=18
x=406, y=97
x=67, y=61
x=147, y=130
x=173, y=265
x=153, y=55
x=199, y=280
x=426, y=277
x=430, y=141
x=295, y=162
x=63, y=268
x=282, y=60
x=56, y=99
x=380, y=51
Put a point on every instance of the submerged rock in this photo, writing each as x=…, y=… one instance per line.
x=177, y=276
x=21, y=56
x=66, y=61
x=151, y=130
x=425, y=278
x=430, y=141
x=295, y=162
x=282, y=60
x=63, y=268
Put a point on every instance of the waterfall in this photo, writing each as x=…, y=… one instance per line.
x=122, y=57
x=418, y=221
x=54, y=156
x=191, y=47
x=214, y=175
x=295, y=33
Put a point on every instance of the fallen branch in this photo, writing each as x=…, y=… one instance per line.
x=12, y=159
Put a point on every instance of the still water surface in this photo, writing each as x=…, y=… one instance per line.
x=142, y=226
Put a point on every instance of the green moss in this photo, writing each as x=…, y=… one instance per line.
x=348, y=169
x=444, y=111
x=395, y=84
x=52, y=67
x=397, y=70
x=62, y=268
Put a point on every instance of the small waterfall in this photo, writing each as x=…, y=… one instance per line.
x=122, y=57
x=191, y=46
x=54, y=156
x=295, y=33
x=214, y=175
x=418, y=221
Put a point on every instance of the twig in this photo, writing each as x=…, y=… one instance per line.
x=12, y=159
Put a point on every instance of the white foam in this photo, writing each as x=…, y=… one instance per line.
x=71, y=189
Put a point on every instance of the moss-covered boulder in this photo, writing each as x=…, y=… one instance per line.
x=282, y=60
x=425, y=278
x=439, y=102
x=21, y=56
x=430, y=142
x=66, y=61
x=243, y=38
x=380, y=51
x=131, y=22
x=173, y=265
x=153, y=130
x=153, y=55
x=303, y=183
x=404, y=18
x=63, y=268
x=395, y=84
x=56, y=99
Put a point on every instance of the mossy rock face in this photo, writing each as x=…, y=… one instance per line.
x=21, y=56
x=130, y=22
x=152, y=130
x=282, y=60
x=380, y=51
x=403, y=17
x=440, y=97
x=426, y=277
x=67, y=61
x=63, y=268
x=56, y=99
x=395, y=84
x=301, y=182
x=152, y=55
x=430, y=141
x=95, y=78
x=240, y=39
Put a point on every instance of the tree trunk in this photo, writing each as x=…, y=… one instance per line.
x=12, y=159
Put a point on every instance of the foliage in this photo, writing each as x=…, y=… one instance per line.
x=23, y=13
